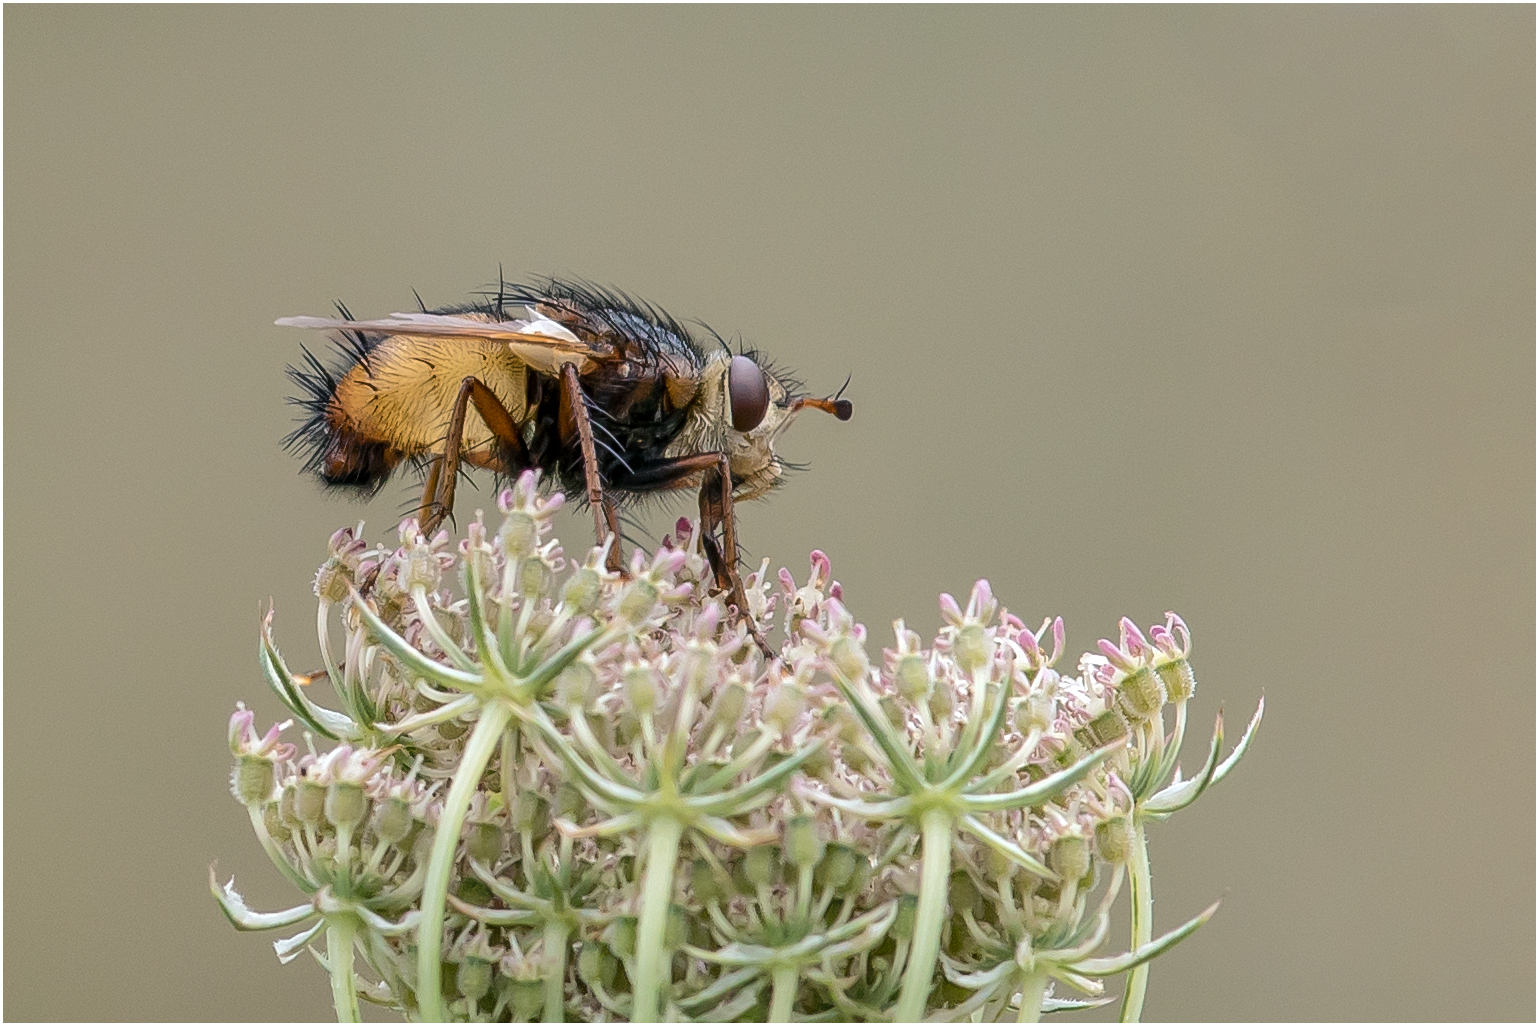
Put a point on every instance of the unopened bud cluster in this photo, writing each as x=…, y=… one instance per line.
x=662, y=823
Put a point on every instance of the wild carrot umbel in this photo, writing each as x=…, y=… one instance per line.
x=554, y=792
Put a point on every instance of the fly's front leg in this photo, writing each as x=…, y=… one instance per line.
x=605, y=523
x=444, y=472
x=716, y=509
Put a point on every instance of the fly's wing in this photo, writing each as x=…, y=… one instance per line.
x=540, y=342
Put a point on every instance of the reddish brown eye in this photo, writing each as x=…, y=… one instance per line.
x=749, y=391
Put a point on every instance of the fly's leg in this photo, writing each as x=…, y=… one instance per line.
x=605, y=523
x=444, y=472
x=716, y=509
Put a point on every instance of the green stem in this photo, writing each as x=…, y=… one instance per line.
x=556, y=945
x=340, y=930
x=784, y=993
x=656, y=895
x=1143, y=924
x=430, y=932
x=1033, y=986
x=930, y=916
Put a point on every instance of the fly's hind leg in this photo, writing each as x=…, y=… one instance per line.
x=605, y=522
x=444, y=472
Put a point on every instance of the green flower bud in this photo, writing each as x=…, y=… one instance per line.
x=533, y=576
x=582, y=591
x=1114, y=839
x=848, y=657
x=1141, y=693
x=528, y=998
x=783, y=706
x=331, y=581
x=473, y=892
x=273, y=820
x=837, y=868
x=451, y=730
x=252, y=779
x=1069, y=857
x=393, y=820
x=964, y=896
x=620, y=935
x=1104, y=729
x=1180, y=683
x=596, y=966
x=576, y=686
x=520, y=532
x=727, y=709
x=641, y=690
x=912, y=677
x=309, y=802
x=569, y=803
x=941, y=703
x=761, y=868
x=485, y=843
x=346, y=804
x=803, y=845
x=971, y=648
x=530, y=814
x=892, y=711
x=903, y=923
x=705, y=885
x=637, y=603
x=1035, y=713
x=474, y=977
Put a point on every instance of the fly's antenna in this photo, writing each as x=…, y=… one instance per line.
x=839, y=394
x=420, y=304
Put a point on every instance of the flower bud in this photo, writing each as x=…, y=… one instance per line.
x=520, y=534
x=837, y=868
x=1035, y=713
x=760, y=866
x=727, y=709
x=639, y=600
x=848, y=658
x=803, y=846
x=309, y=802
x=783, y=706
x=530, y=814
x=620, y=935
x=474, y=977
x=533, y=576
x=702, y=880
x=942, y=701
x=1180, y=683
x=576, y=686
x=582, y=591
x=331, y=581
x=1109, y=726
x=596, y=966
x=971, y=648
x=346, y=804
x=912, y=678
x=485, y=843
x=273, y=820
x=393, y=821
x=641, y=690
x=964, y=896
x=1141, y=693
x=903, y=924
x=527, y=999
x=1069, y=857
x=1114, y=839
x=569, y=803
x=251, y=781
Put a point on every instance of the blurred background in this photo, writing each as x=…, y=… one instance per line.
x=1222, y=310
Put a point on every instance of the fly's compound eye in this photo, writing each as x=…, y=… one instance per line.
x=749, y=392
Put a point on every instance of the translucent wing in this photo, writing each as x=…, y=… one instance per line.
x=540, y=342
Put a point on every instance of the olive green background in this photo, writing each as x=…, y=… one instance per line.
x=1228, y=311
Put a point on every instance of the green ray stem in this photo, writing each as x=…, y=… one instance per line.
x=656, y=895
x=430, y=932
x=1143, y=924
x=930, y=916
